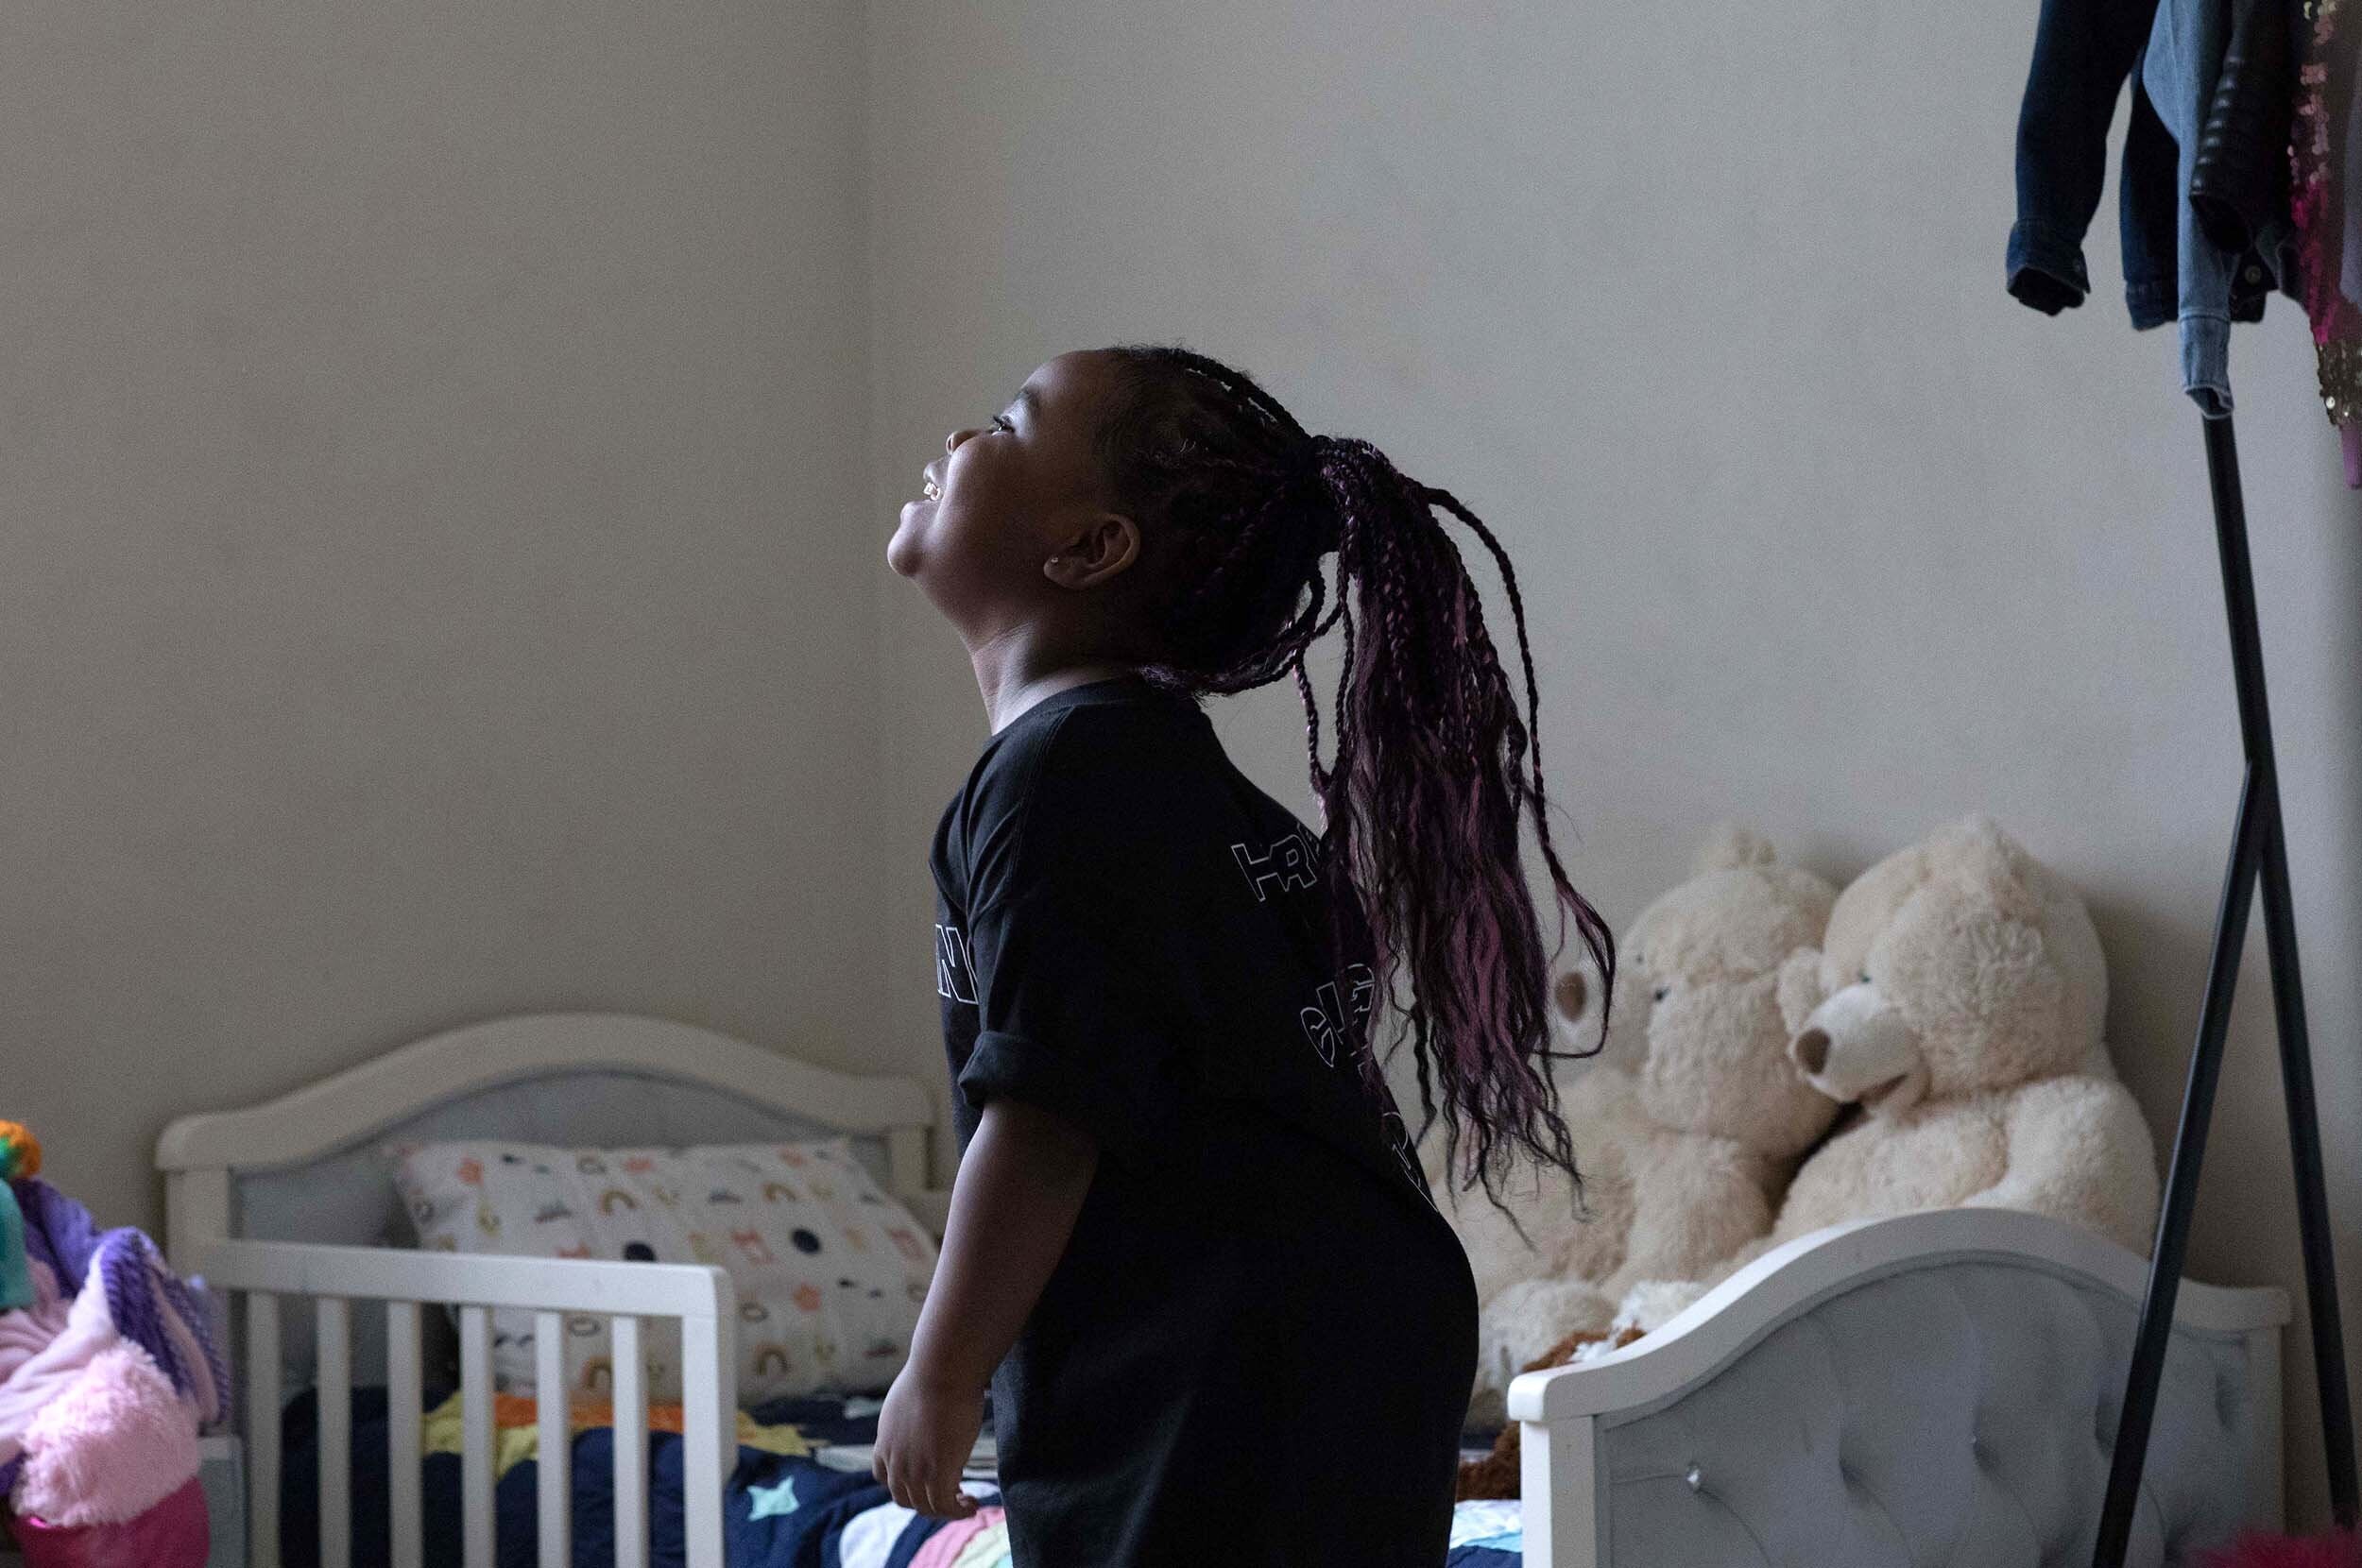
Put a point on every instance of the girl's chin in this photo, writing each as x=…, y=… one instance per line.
x=902, y=549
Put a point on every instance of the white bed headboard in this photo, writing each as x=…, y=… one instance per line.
x=1937, y=1387
x=306, y=1166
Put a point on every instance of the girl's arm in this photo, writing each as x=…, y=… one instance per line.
x=1014, y=1203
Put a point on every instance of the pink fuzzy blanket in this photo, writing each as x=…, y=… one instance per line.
x=122, y=1443
x=93, y=1430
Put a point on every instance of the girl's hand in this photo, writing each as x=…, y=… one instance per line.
x=925, y=1434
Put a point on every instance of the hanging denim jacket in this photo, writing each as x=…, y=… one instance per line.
x=2172, y=51
x=2083, y=51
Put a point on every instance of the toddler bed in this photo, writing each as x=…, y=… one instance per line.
x=1931, y=1389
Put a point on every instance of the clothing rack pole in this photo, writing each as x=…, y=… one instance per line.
x=2259, y=852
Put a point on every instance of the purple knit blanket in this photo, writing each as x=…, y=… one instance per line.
x=147, y=1302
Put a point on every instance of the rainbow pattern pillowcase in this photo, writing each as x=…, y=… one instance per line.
x=830, y=1270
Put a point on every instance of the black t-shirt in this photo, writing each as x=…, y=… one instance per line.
x=1259, y=1345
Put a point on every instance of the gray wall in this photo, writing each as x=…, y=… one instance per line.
x=429, y=441
x=1701, y=307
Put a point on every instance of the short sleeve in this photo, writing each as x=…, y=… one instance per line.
x=1084, y=978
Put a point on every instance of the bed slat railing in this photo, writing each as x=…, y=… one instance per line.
x=404, y=1390
x=476, y=1437
x=261, y=1445
x=556, y=1480
x=334, y=1382
x=631, y=1447
x=701, y=1299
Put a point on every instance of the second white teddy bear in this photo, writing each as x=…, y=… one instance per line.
x=1960, y=998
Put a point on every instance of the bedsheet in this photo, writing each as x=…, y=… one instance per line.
x=801, y=1496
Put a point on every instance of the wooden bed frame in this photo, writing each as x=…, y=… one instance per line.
x=1572, y=1418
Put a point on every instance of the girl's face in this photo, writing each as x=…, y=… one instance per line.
x=1015, y=517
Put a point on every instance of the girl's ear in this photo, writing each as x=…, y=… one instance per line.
x=1106, y=545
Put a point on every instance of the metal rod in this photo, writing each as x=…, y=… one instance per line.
x=2239, y=595
x=2260, y=854
x=2280, y=932
x=2305, y=1148
x=2189, y=1152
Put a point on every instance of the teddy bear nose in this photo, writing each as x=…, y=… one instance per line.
x=1811, y=1049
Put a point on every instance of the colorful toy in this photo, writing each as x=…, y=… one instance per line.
x=20, y=1156
x=108, y=1368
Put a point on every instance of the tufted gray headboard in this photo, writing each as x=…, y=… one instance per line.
x=1933, y=1388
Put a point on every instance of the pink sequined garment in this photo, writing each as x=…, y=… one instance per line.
x=2328, y=218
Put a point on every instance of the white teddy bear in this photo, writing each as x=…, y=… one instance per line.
x=1686, y=1126
x=1959, y=998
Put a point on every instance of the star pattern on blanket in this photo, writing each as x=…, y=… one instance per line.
x=780, y=1499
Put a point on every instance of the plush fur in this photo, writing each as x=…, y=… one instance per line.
x=117, y=1444
x=1688, y=1124
x=1959, y=999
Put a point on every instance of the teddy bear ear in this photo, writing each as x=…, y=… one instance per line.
x=1982, y=853
x=1730, y=846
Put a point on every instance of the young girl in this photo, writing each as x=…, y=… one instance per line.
x=1189, y=1246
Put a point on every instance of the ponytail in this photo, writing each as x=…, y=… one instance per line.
x=1436, y=767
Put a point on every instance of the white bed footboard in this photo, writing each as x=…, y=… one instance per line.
x=1933, y=1388
x=333, y=1278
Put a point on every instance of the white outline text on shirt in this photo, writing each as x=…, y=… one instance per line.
x=954, y=978
x=1289, y=862
x=1324, y=1022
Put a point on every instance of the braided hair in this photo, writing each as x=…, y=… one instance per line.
x=1436, y=767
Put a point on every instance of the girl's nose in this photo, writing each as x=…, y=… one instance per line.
x=951, y=442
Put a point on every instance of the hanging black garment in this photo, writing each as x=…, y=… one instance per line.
x=2241, y=186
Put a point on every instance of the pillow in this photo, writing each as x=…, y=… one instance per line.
x=830, y=1271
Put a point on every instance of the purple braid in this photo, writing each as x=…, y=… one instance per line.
x=1436, y=766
